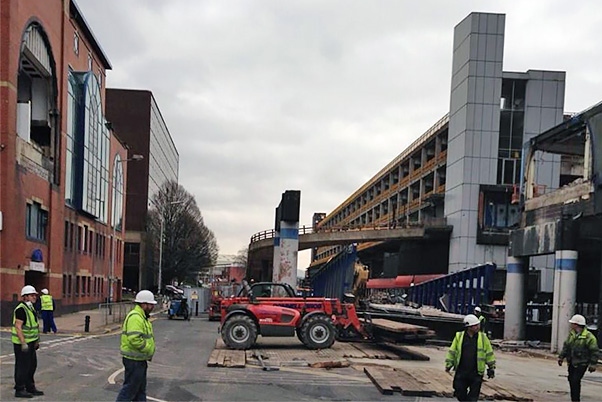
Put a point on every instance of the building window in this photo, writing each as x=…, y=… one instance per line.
x=35, y=222
x=66, y=235
x=76, y=43
x=69, y=286
x=77, y=285
x=89, y=61
x=72, y=157
x=65, y=283
x=497, y=215
x=88, y=144
x=118, y=182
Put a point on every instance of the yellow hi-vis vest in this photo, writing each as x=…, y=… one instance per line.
x=484, y=352
x=137, y=339
x=46, y=301
x=30, y=329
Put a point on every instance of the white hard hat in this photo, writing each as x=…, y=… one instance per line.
x=471, y=320
x=45, y=291
x=28, y=290
x=477, y=309
x=145, y=296
x=578, y=319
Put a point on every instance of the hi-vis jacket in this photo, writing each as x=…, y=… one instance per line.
x=30, y=328
x=137, y=339
x=580, y=349
x=47, y=303
x=484, y=352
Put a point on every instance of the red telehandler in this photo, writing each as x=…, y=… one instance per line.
x=316, y=321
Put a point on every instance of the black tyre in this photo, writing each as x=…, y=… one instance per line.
x=300, y=335
x=239, y=332
x=318, y=332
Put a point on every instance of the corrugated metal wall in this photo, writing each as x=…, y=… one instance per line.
x=335, y=278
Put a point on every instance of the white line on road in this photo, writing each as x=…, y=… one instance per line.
x=111, y=380
x=112, y=377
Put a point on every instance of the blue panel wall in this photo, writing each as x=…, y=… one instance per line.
x=335, y=278
x=463, y=290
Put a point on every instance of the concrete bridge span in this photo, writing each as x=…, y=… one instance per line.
x=310, y=239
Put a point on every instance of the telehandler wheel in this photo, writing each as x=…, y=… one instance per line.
x=318, y=332
x=299, y=335
x=239, y=332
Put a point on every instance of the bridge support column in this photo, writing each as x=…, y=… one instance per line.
x=286, y=271
x=276, y=259
x=515, y=322
x=565, y=294
x=287, y=214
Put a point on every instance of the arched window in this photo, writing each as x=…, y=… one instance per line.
x=118, y=189
x=90, y=140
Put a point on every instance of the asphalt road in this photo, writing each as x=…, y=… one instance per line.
x=89, y=368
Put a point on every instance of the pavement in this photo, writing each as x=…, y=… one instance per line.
x=101, y=320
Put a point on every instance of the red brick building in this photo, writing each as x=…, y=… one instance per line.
x=62, y=167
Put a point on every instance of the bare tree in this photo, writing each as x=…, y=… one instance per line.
x=242, y=257
x=188, y=244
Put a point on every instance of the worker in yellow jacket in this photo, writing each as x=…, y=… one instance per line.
x=581, y=352
x=469, y=355
x=137, y=347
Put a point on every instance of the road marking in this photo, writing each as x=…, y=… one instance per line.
x=112, y=377
x=52, y=343
x=111, y=380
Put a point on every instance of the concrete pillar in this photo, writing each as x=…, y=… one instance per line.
x=515, y=322
x=286, y=270
x=565, y=293
x=276, y=260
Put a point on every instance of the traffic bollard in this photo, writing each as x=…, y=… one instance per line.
x=196, y=313
x=87, y=324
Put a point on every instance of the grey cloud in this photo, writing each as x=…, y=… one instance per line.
x=265, y=96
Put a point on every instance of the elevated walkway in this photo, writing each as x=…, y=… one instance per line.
x=340, y=236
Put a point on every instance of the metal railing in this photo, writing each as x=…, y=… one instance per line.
x=380, y=225
x=113, y=313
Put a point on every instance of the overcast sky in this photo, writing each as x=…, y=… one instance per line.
x=266, y=96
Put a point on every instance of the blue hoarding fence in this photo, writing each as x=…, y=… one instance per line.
x=335, y=278
x=458, y=292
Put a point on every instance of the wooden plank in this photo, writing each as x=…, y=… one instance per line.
x=236, y=359
x=410, y=386
x=394, y=326
x=227, y=358
x=213, y=359
x=440, y=381
x=379, y=380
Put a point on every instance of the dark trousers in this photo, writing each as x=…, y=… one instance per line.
x=134, y=383
x=575, y=376
x=467, y=386
x=26, y=364
x=48, y=318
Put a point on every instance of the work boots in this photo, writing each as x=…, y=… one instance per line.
x=23, y=394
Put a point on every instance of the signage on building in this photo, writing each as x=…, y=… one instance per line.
x=37, y=266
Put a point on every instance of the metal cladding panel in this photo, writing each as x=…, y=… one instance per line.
x=335, y=278
x=462, y=290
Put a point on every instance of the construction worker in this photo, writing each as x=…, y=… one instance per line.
x=581, y=353
x=468, y=355
x=47, y=307
x=480, y=316
x=137, y=347
x=26, y=340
